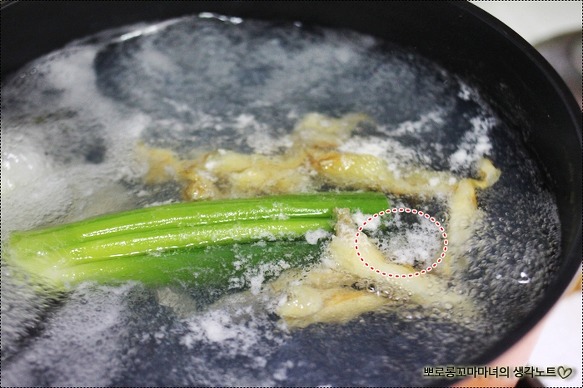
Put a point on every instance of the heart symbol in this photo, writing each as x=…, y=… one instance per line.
x=564, y=372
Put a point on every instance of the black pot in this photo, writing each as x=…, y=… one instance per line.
x=511, y=76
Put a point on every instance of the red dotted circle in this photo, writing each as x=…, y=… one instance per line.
x=407, y=210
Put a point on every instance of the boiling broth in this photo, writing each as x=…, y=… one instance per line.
x=70, y=125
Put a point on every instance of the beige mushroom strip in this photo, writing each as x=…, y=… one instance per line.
x=327, y=293
x=358, y=171
x=465, y=216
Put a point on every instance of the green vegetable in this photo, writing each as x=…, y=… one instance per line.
x=201, y=242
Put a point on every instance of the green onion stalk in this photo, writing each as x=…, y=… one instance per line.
x=203, y=243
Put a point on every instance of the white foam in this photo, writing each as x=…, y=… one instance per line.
x=258, y=135
x=391, y=150
x=313, y=236
x=235, y=328
x=416, y=244
x=419, y=126
x=81, y=343
x=40, y=189
x=371, y=225
x=474, y=145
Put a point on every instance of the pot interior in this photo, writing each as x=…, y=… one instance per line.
x=437, y=98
